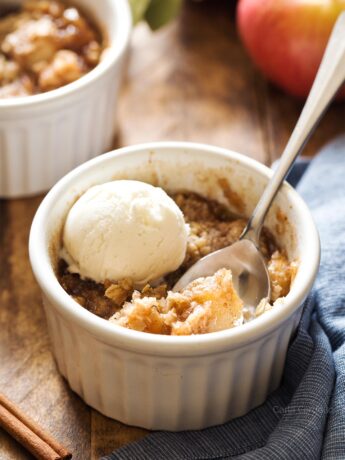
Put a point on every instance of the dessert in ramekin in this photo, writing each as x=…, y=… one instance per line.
x=46, y=44
x=44, y=135
x=126, y=243
x=173, y=382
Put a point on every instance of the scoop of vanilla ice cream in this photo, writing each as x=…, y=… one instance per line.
x=124, y=229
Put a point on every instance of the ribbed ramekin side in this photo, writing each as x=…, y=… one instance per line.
x=170, y=393
x=37, y=149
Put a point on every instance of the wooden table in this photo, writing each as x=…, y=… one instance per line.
x=190, y=81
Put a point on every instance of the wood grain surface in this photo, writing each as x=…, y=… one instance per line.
x=190, y=81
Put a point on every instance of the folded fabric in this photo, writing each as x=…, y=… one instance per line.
x=305, y=417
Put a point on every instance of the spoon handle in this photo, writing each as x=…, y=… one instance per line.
x=328, y=80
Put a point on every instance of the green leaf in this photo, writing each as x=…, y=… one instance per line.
x=160, y=12
x=138, y=8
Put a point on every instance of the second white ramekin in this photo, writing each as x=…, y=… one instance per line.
x=44, y=136
x=163, y=382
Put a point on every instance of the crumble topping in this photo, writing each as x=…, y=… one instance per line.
x=281, y=273
x=206, y=305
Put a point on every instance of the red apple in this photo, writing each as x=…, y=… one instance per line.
x=286, y=38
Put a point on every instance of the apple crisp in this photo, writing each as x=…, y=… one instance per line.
x=44, y=45
x=207, y=304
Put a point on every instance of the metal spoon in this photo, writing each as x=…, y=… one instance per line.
x=243, y=258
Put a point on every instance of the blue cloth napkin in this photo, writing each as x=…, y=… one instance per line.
x=305, y=417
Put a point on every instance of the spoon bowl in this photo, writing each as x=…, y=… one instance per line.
x=248, y=267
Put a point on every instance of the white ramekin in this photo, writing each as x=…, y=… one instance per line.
x=44, y=136
x=163, y=382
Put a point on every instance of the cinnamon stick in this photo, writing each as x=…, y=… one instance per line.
x=29, y=434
